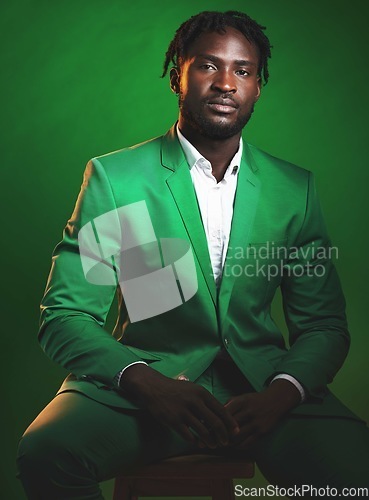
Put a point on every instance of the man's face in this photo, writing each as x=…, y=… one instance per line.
x=218, y=84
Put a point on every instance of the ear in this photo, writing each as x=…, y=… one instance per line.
x=259, y=84
x=174, y=80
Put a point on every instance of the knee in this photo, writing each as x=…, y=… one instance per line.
x=49, y=468
x=34, y=453
x=39, y=453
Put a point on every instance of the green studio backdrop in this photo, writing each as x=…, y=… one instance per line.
x=82, y=78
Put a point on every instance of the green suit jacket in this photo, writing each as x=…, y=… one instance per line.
x=275, y=205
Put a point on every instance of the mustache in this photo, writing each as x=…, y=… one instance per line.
x=225, y=99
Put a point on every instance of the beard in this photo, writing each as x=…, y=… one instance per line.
x=212, y=129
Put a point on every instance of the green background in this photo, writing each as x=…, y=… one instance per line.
x=81, y=78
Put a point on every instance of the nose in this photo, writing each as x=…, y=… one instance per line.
x=224, y=82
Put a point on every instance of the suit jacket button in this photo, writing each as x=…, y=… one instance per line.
x=183, y=377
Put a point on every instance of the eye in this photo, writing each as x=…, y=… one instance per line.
x=207, y=66
x=242, y=72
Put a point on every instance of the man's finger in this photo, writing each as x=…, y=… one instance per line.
x=226, y=417
x=202, y=431
x=185, y=433
x=233, y=405
x=215, y=426
x=242, y=415
x=246, y=431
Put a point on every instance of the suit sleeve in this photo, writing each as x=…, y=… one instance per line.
x=73, y=310
x=314, y=305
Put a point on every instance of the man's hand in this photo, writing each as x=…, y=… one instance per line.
x=258, y=413
x=187, y=408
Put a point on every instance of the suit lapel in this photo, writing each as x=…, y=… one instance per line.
x=245, y=205
x=180, y=185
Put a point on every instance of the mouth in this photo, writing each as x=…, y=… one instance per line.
x=225, y=106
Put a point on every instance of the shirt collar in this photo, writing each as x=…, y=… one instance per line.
x=193, y=156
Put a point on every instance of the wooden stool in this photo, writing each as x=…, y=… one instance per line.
x=189, y=475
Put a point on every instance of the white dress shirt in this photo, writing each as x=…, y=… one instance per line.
x=216, y=201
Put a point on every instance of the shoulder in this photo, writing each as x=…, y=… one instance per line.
x=129, y=172
x=269, y=165
x=139, y=155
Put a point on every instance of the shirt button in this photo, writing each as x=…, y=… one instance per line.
x=226, y=342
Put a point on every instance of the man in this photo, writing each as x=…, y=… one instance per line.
x=214, y=372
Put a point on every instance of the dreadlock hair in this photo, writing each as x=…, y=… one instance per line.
x=209, y=21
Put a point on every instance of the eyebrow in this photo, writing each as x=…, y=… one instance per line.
x=215, y=59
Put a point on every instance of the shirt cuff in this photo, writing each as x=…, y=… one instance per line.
x=293, y=381
x=118, y=376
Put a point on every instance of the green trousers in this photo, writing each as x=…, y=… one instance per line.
x=76, y=442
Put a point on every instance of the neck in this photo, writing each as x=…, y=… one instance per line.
x=218, y=152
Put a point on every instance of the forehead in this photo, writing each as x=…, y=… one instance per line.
x=228, y=45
